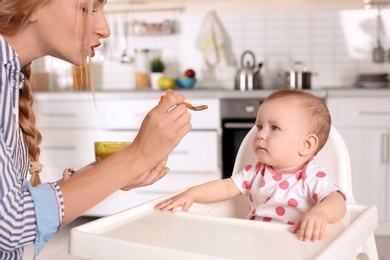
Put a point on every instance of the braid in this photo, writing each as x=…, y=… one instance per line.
x=32, y=136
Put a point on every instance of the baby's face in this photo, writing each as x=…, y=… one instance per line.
x=281, y=134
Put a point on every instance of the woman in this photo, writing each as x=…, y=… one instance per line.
x=69, y=30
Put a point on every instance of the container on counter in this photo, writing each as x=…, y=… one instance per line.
x=142, y=71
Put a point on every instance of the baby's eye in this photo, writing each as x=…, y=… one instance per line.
x=274, y=128
x=259, y=127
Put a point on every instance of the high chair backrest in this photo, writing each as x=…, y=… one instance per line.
x=334, y=156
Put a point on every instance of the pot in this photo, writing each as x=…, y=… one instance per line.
x=298, y=77
x=248, y=77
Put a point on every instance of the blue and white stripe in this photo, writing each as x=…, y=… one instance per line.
x=17, y=215
x=17, y=209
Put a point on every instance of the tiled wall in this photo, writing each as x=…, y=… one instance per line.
x=335, y=45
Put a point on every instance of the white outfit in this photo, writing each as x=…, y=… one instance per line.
x=285, y=197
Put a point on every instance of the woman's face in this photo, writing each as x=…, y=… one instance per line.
x=62, y=29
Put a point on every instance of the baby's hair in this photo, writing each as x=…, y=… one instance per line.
x=316, y=114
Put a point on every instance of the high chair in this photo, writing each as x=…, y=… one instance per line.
x=334, y=155
x=213, y=231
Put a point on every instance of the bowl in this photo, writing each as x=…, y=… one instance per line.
x=105, y=149
x=185, y=82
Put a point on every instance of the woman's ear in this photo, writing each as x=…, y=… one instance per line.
x=309, y=145
x=34, y=16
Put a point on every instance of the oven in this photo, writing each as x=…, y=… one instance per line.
x=238, y=116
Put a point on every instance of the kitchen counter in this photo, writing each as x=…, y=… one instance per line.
x=136, y=94
x=205, y=93
x=358, y=92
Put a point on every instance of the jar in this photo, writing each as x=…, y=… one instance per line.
x=142, y=71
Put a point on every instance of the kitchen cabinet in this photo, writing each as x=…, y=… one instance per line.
x=70, y=126
x=364, y=124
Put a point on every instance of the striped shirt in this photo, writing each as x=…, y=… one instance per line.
x=24, y=216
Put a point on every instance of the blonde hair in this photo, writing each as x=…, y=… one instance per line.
x=14, y=16
x=315, y=113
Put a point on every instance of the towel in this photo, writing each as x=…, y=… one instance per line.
x=212, y=41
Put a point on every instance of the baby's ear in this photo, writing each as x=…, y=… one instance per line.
x=309, y=145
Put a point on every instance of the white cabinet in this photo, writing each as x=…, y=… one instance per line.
x=364, y=124
x=70, y=126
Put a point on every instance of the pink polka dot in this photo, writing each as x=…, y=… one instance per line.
x=253, y=218
x=299, y=176
x=284, y=185
x=258, y=165
x=253, y=211
x=267, y=200
x=280, y=211
x=292, y=203
x=262, y=172
x=266, y=219
x=290, y=223
x=250, y=197
x=277, y=177
x=248, y=167
x=315, y=197
x=262, y=183
x=321, y=174
x=246, y=185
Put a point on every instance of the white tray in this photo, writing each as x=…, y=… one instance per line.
x=143, y=233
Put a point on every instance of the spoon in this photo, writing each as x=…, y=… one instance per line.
x=191, y=107
x=378, y=53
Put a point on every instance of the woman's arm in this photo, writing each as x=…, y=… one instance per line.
x=141, y=163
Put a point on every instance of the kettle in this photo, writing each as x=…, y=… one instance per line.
x=248, y=78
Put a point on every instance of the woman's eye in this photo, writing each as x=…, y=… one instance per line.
x=85, y=10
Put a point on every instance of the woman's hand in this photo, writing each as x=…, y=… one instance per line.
x=149, y=177
x=161, y=131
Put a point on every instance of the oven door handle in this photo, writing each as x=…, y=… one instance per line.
x=238, y=125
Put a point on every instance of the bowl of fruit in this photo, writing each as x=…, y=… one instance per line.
x=187, y=79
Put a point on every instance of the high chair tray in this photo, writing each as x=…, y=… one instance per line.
x=143, y=233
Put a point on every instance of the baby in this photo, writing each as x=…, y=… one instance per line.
x=286, y=185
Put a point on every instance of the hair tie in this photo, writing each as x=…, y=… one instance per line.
x=35, y=169
x=35, y=166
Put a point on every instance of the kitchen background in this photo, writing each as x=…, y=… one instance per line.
x=333, y=38
x=335, y=44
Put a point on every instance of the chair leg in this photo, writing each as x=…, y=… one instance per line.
x=369, y=248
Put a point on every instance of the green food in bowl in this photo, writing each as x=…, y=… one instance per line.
x=105, y=149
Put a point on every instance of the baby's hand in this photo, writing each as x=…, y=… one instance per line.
x=312, y=226
x=183, y=200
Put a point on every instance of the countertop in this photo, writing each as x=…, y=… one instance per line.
x=205, y=93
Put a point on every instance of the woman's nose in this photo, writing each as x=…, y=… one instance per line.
x=101, y=28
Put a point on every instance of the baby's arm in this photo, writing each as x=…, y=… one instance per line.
x=213, y=191
x=313, y=224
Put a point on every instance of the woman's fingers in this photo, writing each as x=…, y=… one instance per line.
x=149, y=177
